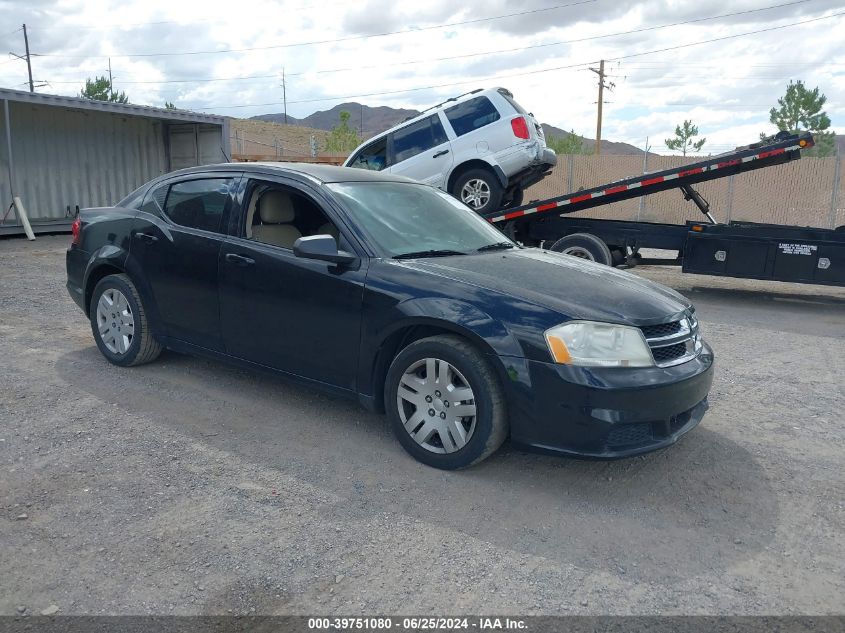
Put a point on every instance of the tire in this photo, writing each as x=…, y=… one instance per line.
x=585, y=246
x=118, y=293
x=479, y=189
x=467, y=373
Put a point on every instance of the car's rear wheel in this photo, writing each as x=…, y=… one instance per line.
x=479, y=189
x=119, y=323
x=584, y=246
x=445, y=403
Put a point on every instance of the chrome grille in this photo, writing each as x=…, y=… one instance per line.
x=673, y=343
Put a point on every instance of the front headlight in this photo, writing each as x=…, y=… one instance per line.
x=591, y=344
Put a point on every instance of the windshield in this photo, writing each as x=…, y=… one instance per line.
x=405, y=218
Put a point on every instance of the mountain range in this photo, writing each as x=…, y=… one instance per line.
x=370, y=121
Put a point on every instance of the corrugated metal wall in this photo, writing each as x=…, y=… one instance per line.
x=800, y=192
x=65, y=157
x=69, y=157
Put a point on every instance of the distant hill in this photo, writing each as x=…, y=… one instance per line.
x=610, y=148
x=380, y=118
x=375, y=120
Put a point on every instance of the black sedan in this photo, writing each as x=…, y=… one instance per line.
x=393, y=293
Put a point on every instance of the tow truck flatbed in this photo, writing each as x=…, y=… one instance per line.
x=737, y=249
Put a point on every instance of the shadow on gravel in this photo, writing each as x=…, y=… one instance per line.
x=738, y=294
x=699, y=506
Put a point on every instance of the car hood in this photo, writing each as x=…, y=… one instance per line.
x=574, y=287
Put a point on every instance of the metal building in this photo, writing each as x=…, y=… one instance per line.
x=59, y=153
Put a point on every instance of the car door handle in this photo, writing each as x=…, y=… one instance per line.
x=239, y=260
x=146, y=237
x=441, y=153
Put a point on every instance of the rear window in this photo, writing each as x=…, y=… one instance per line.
x=509, y=98
x=472, y=114
x=198, y=204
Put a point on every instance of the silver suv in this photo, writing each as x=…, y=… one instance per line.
x=482, y=147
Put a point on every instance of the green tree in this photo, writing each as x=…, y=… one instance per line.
x=801, y=110
x=168, y=105
x=100, y=89
x=572, y=143
x=683, y=141
x=342, y=138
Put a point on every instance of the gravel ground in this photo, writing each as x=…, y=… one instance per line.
x=191, y=487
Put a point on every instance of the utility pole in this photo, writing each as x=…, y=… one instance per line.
x=111, y=83
x=284, y=95
x=28, y=63
x=600, y=72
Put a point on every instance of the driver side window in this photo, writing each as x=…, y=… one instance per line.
x=373, y=156
x=280, y=215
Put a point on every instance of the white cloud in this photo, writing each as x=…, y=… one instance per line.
x=725, y=87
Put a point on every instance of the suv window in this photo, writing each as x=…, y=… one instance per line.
x=417, y=137
x=471, y=115
x=198, y=204
x=373, y=156
x=509, y=98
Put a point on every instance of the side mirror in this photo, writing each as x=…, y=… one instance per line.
x=322, y=247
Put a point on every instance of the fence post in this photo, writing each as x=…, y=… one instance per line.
x=834, y=197
x=729, y=204
x=641, y=207
x=569, y=159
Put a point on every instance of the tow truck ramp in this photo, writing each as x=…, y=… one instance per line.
x=737, y=249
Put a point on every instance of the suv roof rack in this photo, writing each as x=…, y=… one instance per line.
x=449, y=100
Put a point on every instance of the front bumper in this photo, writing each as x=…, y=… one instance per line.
x=605, y=413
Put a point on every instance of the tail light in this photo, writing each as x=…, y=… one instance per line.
x=76, y=231
x=520, y=127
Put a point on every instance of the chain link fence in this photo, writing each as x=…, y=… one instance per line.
x=807, y=192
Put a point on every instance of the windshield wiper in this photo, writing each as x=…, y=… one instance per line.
x=498, y=246
x=429, y=253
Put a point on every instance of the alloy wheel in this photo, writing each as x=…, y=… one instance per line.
x=475, y=193
x=115, y=322
x=436, y=405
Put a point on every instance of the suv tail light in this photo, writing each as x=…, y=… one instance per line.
x=76, y=231
x=520, y=127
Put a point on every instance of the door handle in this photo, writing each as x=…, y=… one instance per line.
x=239, y=260
x=146, y=237
x=441, y=153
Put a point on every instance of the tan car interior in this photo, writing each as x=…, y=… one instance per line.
x=280, y=217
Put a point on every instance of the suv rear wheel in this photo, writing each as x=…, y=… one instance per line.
x=479, y=189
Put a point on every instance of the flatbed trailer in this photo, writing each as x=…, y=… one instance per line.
x=737, y=249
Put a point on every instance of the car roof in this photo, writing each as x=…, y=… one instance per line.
x=318, y=173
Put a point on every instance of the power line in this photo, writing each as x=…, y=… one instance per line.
x=728, y=37
x=463, y=56
x=336, y=40
x=191, y=21
x=530, y=72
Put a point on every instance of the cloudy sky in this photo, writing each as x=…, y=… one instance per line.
x=227, y=57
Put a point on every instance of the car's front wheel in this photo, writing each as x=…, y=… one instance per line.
x=119, y=323
x=479, y=189
x=445, y=402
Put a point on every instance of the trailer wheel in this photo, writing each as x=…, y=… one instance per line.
x=585, y=246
